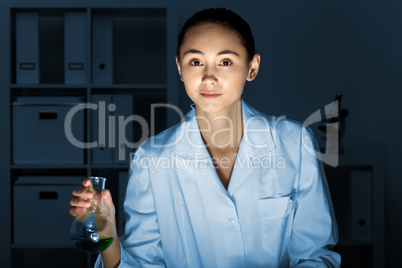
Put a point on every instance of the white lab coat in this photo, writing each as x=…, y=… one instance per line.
x=276, y=212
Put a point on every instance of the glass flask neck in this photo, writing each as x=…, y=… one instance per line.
x=97, y=186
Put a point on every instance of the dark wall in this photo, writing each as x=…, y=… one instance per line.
x=313, y=49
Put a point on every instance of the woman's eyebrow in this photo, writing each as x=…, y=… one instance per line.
x=228, y=52
x=195, y=51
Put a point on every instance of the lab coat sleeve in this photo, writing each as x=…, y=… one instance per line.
x=141, y=244
x=315, y=230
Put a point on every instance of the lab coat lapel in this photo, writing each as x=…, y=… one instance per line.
x=192, y=152
x=257, y=142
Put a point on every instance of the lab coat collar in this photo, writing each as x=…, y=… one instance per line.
x=259, y=133
x=258, y=139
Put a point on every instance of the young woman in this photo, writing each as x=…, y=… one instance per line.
x=238, y=188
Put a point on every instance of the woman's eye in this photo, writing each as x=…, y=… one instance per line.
x=226, y=62
x=195, y=62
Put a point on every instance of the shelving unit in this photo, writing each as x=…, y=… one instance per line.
x=357, y=190
x=141, y=71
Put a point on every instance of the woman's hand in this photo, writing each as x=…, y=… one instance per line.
x=81, y=201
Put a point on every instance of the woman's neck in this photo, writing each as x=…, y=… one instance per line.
x=221, y=131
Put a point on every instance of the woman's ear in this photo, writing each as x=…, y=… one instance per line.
x=254, y=67
x=178, y=67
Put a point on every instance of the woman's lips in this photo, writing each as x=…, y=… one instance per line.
x=210, y=95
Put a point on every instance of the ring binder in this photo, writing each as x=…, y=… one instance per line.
x=124, y=131
x=100, y=133
x=76, y=66
x=361, y=205
x=27, y=66
x=102, y=62
x=75, y=47
x=27, y=47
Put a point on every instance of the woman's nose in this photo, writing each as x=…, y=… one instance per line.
x=209, y=77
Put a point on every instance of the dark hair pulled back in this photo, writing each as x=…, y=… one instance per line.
x=224, y=17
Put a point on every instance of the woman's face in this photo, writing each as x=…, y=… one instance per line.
x=214, y=68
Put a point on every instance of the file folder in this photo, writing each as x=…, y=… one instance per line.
x=103, y=153
x=361, y=205
x=27, y=48
x=102, y=50
x=74, y=48
x=123, y=181
x=124, y=128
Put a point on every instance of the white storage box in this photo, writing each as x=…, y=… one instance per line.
x=41, y=209
x=39, y=135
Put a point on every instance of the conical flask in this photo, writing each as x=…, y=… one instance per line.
x=93, y=231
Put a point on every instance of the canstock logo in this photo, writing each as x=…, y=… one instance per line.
x=331, y=155
x=107, y=125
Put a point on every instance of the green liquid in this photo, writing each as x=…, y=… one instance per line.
x=89, y=246
x=105, y=242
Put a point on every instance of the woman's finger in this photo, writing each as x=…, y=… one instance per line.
x=86, y=182
x=83, y=193
x=79, y=202
x=76, y=211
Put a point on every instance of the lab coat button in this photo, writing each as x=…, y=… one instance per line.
x=230, y=221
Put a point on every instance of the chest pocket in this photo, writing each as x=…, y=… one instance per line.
x=276, y=216
x=275, y=208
